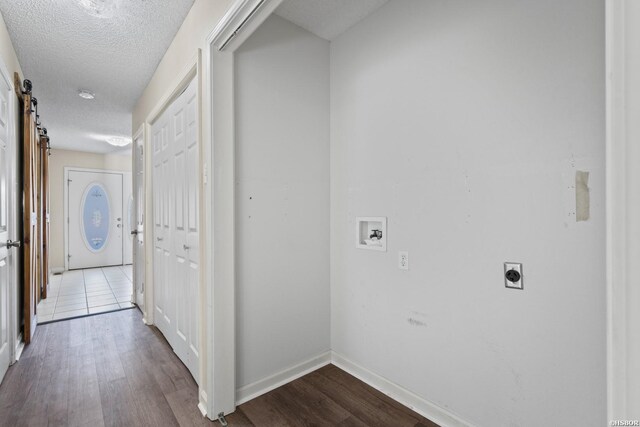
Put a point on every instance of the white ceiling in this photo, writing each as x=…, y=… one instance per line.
x=327, y=18
x=63, y=48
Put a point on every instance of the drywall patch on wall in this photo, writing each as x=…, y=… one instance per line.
x=582, y=196
x=581, y=180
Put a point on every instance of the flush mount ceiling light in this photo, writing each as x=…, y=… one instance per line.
x=85, y=94
x=99, y=8
x=119, y=141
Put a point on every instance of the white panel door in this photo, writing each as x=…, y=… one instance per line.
x=176, y=227
x=162, y=180
x=6, y=250
x=95, y=220
x=138, y=232
x=191, y=232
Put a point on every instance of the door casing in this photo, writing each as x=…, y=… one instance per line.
x=139, y=256
x=67, y=169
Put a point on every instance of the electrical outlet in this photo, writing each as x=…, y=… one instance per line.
x=513, y=275
x=403, y=260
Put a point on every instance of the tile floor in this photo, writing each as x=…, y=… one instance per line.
x=80, y=292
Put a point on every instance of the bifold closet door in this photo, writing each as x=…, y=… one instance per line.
x=176, y=168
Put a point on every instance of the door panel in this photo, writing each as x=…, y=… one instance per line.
x=44, y=214
x=30, y=236
x=176, y=186
x=192, y=230
x=5, y=251
x=95, y=219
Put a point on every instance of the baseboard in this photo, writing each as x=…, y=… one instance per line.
x=258, y=388
x=202, y=402
x=427, y=409
x=203, y=409
x=19, y=348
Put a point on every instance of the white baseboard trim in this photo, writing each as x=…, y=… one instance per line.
x=203, y=408
x=19, y=348
x=202, y=402
x=427, y=409
x=260, y=387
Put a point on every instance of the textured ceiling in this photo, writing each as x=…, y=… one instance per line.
x=63, y=48
x=327, y=18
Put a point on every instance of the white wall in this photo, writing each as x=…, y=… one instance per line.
x=201, y=19
x=464, y=123
x=58, y=160
x=282, y=200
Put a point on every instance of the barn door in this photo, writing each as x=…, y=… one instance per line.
x=30, y=139
x=44, y=211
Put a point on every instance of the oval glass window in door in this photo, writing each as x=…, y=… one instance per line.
x=95, y=217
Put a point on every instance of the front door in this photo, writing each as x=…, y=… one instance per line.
x=138, y=231
x=95, y=219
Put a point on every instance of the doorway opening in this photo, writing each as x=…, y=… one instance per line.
x=91, y=223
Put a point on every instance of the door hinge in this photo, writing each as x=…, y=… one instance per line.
x=222, y=419
x=69, y=256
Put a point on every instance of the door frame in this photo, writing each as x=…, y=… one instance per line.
x=218, y=131
x=14, y=197
x=140, y=134
x=65, y=208
x=623, y=210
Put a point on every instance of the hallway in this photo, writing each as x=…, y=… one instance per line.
x=90, y=291
x=96, y=371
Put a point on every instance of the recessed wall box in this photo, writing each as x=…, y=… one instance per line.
x=371, y=233
x=513, y=275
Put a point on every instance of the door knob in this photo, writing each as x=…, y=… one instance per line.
x=12, y=244
x=185, y=247
x=119, y=225
x=159, y=239
x=134, y=232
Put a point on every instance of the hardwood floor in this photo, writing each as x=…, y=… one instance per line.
x=112, y=370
